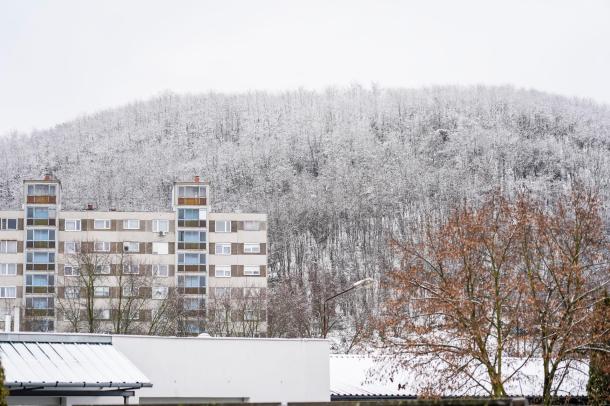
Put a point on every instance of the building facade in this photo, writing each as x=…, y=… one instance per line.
x=184, y=271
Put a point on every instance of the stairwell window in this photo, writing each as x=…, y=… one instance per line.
x=72, y=225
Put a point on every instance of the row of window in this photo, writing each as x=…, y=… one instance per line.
x=224, y=271
x=106, y=224
x=41, y=190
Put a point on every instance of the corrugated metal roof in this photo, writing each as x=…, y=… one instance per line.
x=71, y=364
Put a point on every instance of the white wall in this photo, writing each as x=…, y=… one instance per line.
x=256, y=370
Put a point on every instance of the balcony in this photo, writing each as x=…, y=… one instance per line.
x=191, y=291
x=30, y=312
x=40, y=267
x=40, y=289
x=191, y=268
x=191, y=245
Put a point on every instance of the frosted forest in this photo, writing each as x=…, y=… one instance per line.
x=340, y=173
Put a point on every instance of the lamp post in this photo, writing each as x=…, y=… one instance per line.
x=357, y=285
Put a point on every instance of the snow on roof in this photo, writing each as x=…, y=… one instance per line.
x=44, y=361
x=363, y=375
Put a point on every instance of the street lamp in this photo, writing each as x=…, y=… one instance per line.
x=357, y=285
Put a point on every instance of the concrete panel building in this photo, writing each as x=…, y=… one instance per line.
x=132, y=272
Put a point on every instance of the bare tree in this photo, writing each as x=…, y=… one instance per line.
x=237, y=312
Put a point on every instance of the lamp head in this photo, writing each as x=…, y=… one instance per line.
x=363, y=283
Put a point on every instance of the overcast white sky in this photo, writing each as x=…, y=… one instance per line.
x=60, y=59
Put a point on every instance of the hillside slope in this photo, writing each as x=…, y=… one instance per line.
x=339, y=172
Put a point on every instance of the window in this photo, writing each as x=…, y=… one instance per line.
x=191, y=191
x=70, y=270
x=130, y=246
x=42, y=189
x=102, y=246
x=222, y=292
x=222, y=271
x=72, y=225
x=41, y=213
x=130, y=291
x=101, y=291
x=131, y=268
x=191, y=236
x=160, y=292
x=39, y=302
x=39, y=283
x=193, y=303
x=191, y=259
x=8, y=247
x=252, y=292
x=72, y=292
x=192, y=214
x=102, y=314
x=102, y=269
x=191, y=281
x=223, y=226
x=160, y=270
x=250, y=315
x=40, y=257
x=71, y=247
x=41, y=235
x=223, y=249
x=131, y=224
x=252, y=270
x=252, y=225
x=101, y=224
x=8, y=269
x=160, y=248
x=8, y=224
x=252, y=248
x=8, y=292
x=160, y=226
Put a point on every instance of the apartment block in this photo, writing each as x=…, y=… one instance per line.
x=185, y=271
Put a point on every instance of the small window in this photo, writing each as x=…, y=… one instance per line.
x=71, y=271
x=131, y=268
x=71, y=247
x=222, y=292
x=250, y=315
x=130, y=291
x=159, y=226
x=8, y=269
x=131, y=224
x=223, y=249
x=72, y=292
x=160, y=248
x=8, y=292
x=223, y=226
x=130, y=246
x=102, y=314
x=8, y=224
x=102, y=246
x=252, y=270
x=252, y=225
x=252, y=292
x=72, y=225
x=101, y=291
x=161, y=270
x=101, y=224
x=222, y=271
x=8, y=247
x=160, y=292
x=252, y=248
x=193, y=303
x=102, y=269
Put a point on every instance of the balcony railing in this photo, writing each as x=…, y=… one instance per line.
x=191, y=291
x=40, y=289
x=192, y=223
x=191, y=245
x=192, y=201
x=42, y=199
x=191, y=268
x=40, y=222
x=40, y=267
x=40, y=244
x=30, y=312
